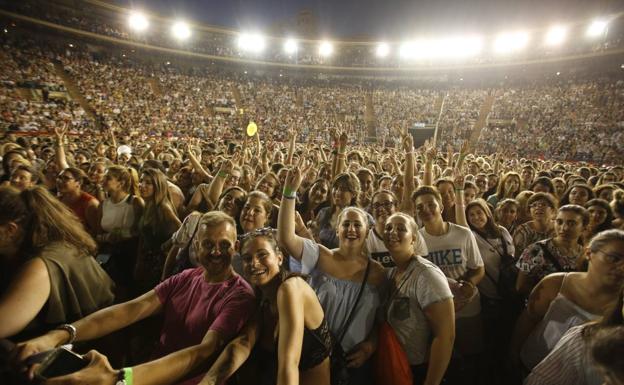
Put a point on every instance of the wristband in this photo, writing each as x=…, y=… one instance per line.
x=459, y=189
x=222, y=174
x=124, y=377
x=288, y=193
x=293, y=196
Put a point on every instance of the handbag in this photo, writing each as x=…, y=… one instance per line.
x=390, y=364
x=508, y=272
x=339, y=372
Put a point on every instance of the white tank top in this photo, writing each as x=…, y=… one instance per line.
x=562, y=314
x=118, y=217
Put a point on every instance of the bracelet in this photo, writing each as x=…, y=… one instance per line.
x=459, y=189
x=222, y=174
x=71, y=329
x=293, y=196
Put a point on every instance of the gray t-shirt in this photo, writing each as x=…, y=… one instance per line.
x=423, y=284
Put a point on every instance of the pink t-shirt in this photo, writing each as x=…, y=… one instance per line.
x=193, y=306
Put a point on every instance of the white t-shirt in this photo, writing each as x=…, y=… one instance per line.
x=424, y=285
x=454, y=253
x=376, y=249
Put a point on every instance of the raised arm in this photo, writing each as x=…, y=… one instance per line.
x=216, y=185
x=288, y=239
x=291, y=145
x=61, y=159
x=190, y=153
x=430, y=154
x=460, y=208
x=408, y=175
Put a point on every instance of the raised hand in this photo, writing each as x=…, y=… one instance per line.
x=293, y=179
x=408, y=143
x=430, y=152
x=60, y=132
x=458, y=178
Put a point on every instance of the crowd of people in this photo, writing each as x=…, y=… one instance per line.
x=169, y=245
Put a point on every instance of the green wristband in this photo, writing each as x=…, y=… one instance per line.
x=222, y=174
x=128, y=375
x=288, y=193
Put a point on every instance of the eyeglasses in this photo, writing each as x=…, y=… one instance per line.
x=386, y=205
x=539, y=205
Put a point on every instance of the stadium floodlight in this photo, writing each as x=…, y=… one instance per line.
x=511, y=42
x=138, y=21
x=252, y=42
x=326, y=49
x=290, y=46
x=556, y=35
x=383, y=49
x=180, y=30
x=456, y=47
x=597, y=28
x=408, y=50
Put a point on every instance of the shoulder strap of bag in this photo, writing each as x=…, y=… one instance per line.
x=357, y=300
x=548, y=255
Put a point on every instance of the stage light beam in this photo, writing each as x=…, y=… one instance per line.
x=556, y=35
x=138, y=21
x=180, y=30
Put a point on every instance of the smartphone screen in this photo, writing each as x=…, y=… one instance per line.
x=59, y=363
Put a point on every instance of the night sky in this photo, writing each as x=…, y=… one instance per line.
x=382, y=19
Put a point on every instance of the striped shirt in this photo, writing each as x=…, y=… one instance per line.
x=567, y=364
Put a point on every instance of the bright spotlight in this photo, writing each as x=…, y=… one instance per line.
x=408, y=50
x=383, y=49
x=326, y=49
x=597, y=28
x=510, y=42
x=138, y=21
x=181, y=30
x=251, y=42
x=290, y=46
x=556, y=35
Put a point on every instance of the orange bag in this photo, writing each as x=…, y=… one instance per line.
x=390, y=361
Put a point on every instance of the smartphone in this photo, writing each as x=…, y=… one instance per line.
x=59, y=362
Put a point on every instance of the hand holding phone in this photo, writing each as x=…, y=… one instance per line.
x=59, y=362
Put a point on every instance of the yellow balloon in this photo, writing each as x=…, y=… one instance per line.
x=252, y=128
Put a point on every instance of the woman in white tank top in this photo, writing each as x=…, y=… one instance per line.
x=561, y=301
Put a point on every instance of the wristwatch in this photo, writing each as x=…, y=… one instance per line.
x=69, y=329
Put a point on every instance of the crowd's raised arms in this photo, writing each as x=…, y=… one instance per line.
x=146, y=225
